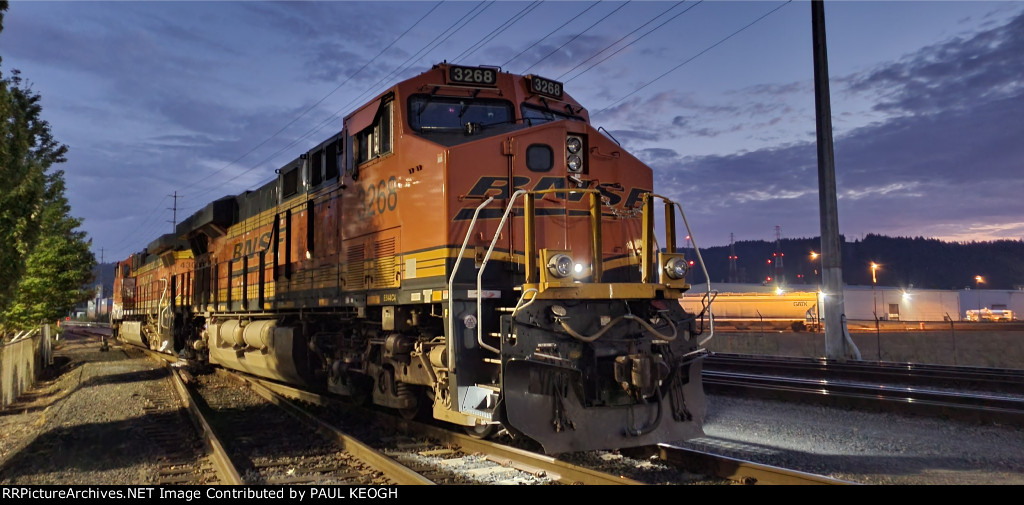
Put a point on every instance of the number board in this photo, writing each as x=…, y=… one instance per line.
x=545, y=87
x=475, y=76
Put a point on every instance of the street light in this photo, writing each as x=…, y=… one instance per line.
x=978, y=281
x=817, y=278
x=874, y=298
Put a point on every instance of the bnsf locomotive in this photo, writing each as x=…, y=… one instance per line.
x=467, y=246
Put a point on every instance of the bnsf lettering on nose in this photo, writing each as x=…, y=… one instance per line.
x=252, y=245
x=614, y=193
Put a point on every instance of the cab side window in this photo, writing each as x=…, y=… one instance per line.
x=375, y=141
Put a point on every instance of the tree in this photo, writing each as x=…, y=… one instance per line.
x=58, y=267
x=27, y=150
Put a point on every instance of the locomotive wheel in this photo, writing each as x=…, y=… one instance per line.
x=410, y=413
x=417, y=410
x=360, y=390
x=481, y=431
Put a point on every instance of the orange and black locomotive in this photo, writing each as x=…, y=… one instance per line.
x=468, y=246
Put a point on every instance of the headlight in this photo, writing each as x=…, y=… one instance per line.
x=675, y=268
x=573, y=144
x=575, y=163
x=560, y=265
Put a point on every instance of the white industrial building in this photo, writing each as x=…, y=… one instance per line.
x=860, y=302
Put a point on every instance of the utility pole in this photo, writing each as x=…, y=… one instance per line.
x=779, y=268
x=733, y=275
x=831, y=260
x=174, y=209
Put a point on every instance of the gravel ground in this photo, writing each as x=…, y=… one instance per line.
x=864, y=447
x=82, y=428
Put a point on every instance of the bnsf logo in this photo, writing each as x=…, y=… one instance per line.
x=253, y=245
x=613, y=192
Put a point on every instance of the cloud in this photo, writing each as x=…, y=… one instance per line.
x=955, y=74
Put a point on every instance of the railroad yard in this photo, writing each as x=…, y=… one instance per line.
x=110, y=417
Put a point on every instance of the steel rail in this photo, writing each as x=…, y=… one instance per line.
x=978, y=378
x=225, y=468
x=737, y=470
x=560, y=471
x=971, y=407
x=372, y=457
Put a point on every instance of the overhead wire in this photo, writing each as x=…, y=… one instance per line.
x=193, y=196
x=673, y=69
x=656, y=16
x=469, y=51
x=474, y=12
x=578, y=35
x=638, y=39
x=397, y=71
x=309, y=132
x=318, y=102
x=538, y=41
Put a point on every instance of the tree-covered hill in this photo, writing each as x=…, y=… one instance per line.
x=923, y=263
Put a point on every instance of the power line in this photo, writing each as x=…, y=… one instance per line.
x=638, y=39
x=196, y=195
x=563, y=25
x=344, y=108
x=525, y=11
x=321, y=100
x=673, y=69
x=559, y=48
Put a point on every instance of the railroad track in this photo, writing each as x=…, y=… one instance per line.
x=778, y=383
x=445, y=456
x=210, y=463
x=269, y=447
x=184, y=462
x=431, y=449
x=1000, y=380
x=733, y=469
x=411, y=452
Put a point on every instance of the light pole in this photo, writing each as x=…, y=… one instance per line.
x=817, y=300
x=874, y=298
x=978, y=281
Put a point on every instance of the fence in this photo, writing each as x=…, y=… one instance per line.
x=21, y=362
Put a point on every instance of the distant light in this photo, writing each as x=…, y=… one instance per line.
x=779, y=291
x=821, y=294
x=577, y=267
x=906, y=296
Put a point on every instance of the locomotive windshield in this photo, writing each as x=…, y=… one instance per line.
x=433, y=113
x=535, y=115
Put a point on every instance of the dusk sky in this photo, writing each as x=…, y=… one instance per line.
x=208, y=99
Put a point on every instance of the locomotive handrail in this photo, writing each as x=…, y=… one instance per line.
x=597, y=259
x=530, y=245
x=159, y=309
x=670, y=231
x=451, y=281
x=480, y=274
